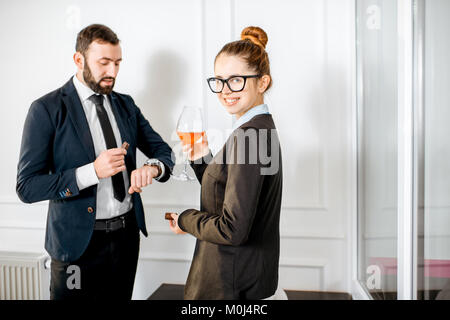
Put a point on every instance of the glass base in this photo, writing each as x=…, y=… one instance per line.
x=183, y=177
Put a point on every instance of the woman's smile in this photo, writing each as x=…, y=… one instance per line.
x=229, y=102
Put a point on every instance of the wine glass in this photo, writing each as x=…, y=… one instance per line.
x=190, y=129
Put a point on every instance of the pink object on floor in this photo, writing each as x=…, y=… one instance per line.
x=433, y=268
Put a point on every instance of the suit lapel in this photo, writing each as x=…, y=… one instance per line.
x=121, y=117
x=76, y=114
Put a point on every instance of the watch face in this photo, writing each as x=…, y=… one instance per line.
x=155, y=163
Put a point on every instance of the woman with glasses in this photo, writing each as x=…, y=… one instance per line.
x=237, y=227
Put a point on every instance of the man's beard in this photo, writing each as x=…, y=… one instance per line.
x=95, y=86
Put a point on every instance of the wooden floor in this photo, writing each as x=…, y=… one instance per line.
x=175, y=292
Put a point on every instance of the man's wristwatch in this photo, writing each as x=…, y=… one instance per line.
x=158, y=164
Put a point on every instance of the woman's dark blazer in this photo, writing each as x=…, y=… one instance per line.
x=237, y=227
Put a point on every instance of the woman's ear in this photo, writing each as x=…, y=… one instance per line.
x=263, y=83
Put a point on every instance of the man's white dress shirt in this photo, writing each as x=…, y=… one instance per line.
x=107, y=206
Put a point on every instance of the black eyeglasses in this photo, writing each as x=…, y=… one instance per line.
x=234, y=83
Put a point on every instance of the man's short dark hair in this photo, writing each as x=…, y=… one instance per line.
x=95, y=32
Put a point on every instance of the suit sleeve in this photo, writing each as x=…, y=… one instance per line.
x=35, y=181
x=152, y=145
x=199, y=166
x=233, y=226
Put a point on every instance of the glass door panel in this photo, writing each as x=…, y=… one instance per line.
x=434, y=230
x=377, y=146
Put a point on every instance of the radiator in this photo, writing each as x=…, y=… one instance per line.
x=24, y=276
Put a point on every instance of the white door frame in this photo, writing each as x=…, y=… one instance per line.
x=405, y=170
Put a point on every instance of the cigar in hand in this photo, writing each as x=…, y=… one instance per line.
x=168, y=216
x=125, y=145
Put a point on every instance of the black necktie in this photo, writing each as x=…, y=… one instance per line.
x=117, y=179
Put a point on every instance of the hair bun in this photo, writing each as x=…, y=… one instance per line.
x=256, y=35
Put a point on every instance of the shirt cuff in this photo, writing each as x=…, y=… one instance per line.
x=86, y=176
x=163, y=170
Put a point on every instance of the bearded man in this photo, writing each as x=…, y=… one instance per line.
x=79, y=152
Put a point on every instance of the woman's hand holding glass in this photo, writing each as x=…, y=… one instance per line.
x=197, y=150
x=191, y=131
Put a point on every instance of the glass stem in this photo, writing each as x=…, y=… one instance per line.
x=185, y=166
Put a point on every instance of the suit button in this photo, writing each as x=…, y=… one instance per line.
x=90, y=209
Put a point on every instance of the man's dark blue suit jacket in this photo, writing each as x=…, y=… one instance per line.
x=56, y=140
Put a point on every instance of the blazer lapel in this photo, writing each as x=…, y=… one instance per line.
x=76, y=114
x=121, y=116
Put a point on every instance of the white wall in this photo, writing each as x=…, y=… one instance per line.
x=168, y=50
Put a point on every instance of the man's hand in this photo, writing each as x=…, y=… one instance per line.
x=142, y=177
x=110, y=162
x=173, y=224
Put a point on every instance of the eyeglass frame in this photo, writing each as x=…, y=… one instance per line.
x=225, y=81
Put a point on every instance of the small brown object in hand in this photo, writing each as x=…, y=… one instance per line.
x=125, y=145
x=168, y=216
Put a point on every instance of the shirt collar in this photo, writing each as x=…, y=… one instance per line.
x=257, y=110
x=84, y=92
